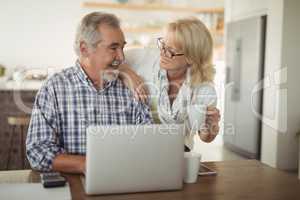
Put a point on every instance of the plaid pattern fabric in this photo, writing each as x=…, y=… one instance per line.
x=66, y=105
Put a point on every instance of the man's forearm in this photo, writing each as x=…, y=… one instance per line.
x=69, y=163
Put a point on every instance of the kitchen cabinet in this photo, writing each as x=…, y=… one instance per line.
x=10, y=107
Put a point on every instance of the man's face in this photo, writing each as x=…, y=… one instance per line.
x=109, y=51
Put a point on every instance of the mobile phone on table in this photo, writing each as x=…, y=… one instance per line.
x=52, y=179
x=205, y=171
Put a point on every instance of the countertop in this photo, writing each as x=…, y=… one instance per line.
x=242, y=179
x=27, y=85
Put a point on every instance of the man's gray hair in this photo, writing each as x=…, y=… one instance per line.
x=87, y=30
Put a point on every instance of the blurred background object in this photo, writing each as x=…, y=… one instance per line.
x=2, y=70
x=142, y=21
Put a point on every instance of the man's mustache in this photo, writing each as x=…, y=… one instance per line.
x=116, y=63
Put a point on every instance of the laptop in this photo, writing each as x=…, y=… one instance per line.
x=134, y=158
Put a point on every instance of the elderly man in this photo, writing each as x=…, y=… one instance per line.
x=82, y=95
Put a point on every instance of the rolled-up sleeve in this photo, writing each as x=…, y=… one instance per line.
x=42, y=142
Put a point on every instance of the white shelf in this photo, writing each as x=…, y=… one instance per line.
x=151, y=7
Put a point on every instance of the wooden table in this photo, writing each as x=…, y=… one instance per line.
x=245, y=179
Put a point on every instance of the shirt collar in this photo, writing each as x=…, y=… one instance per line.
x=86, y=80
x=81, y=73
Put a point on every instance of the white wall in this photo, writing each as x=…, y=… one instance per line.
x=272, y=100
x=281, y=113
x=35, y=33
x=290, y=60
x=38, y=33
x=236, y=10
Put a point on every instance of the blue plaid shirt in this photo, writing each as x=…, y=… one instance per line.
x=64, y=107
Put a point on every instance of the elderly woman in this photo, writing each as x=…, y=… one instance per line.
x=180, y=76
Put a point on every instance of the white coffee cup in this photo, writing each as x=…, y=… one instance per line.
x=197, y=116
x=192, y=164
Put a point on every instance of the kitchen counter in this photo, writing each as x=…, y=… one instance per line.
x=26, y=85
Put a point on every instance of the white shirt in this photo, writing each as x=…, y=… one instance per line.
x=146, y=63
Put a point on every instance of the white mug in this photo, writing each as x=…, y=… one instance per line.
x=192, y=165
x=197, y=116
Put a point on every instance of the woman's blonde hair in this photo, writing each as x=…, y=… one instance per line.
x=196, y=42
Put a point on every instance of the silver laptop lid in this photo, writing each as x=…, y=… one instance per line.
x=123, y=159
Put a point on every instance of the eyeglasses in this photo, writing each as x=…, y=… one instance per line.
x=166, y=51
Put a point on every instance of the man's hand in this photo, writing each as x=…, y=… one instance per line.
x=212, y=125
x=134, y=82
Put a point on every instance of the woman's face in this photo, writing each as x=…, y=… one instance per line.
x=171, y=57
